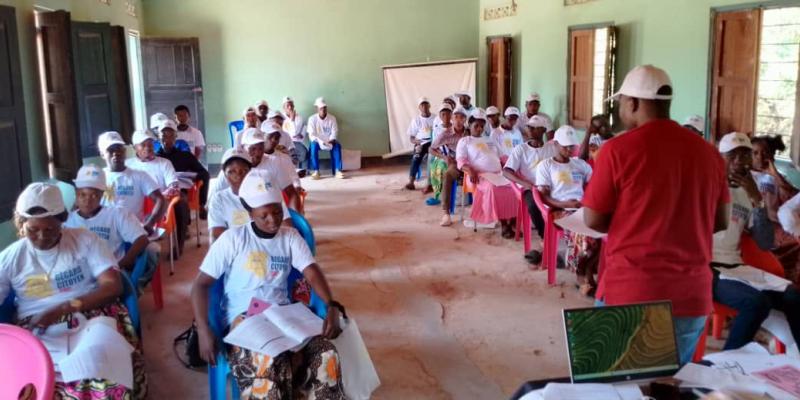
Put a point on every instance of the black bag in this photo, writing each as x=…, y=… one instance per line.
x=191, y=343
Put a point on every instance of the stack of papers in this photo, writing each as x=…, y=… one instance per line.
x=574, y=223
x=582, y=391
x=754, y=277
x=94, y=349
x=278, y=329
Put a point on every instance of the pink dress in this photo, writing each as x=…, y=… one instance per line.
x=490, y=202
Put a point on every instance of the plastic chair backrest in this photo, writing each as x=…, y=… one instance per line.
x=233, y=127
x=25, y=361
x=131, y=300
x=194, y=196
x=7, y=309
x=762, y=259
x=169, y=218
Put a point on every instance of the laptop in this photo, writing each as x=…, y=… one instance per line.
x=628, y=343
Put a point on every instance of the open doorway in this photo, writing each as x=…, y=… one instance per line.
x=137, y=84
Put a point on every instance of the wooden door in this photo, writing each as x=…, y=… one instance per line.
x=499, y=72
x=13, y=142
x=55, y=34
x=95, y=83
x=172, y=76
x=581, y=74
x=734, y=72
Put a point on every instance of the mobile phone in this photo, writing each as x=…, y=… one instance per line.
x=257, y=306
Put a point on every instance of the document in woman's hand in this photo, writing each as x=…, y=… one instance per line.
x=278, y=329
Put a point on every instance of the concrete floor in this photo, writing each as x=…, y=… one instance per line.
x=445, y=313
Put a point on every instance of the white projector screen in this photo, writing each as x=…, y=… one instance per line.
x=405, y=84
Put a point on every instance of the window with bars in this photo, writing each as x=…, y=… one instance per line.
x=778, y=69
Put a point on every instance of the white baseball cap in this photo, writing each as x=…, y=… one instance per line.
x=261, y=103
x=533, y=97
x=287, y=99
x=252, y=136
x=108, y=139
x=643, y=82
x=538, y=121
x=460, y=110
x=43, y=195
x=140, y=137
x=90, y=176
x=445, y=106
x=492, y=110
x=156, y=120
x=566, y=136
x=696, y=122
x=320, y=102
x=462, y=93
x=257, y=190
x=269, y=127
x=478, y=113
x=733, y=141
x=274, y=113
x=168, y=124
x=234, y=152
x=423, y=99
x=511, y=111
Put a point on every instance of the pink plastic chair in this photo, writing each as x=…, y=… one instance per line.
x=552, y=236
x=24, y=361
x=523, y=220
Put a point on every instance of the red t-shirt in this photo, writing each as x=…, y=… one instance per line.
x=662, y=184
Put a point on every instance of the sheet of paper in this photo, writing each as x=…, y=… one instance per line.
x=296, y=320
x=100, y=352
x=580, y=391
x=748, y=363
x=495, y=179
x=777, y=325
x=695, y=375
x=574, y=223
x=754, y=277
x=534, y=395
x=786, y=378
x=258, y=334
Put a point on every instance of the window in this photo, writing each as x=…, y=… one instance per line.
x=137, y=88
x=778, y=72
x=591, y=73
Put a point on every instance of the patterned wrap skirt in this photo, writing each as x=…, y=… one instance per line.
x=437, y=168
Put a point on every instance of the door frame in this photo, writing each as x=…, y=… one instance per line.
x=568, y=62
x=489, y=69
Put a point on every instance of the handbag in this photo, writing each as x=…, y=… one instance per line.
x=359, y=377
x=190, y=342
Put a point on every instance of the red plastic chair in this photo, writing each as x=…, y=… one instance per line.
x=158, y=290
x=170, y=226
x=193, y=195
x=552, y=236
x=25, y=361
x=756, y=257
x=523, y=220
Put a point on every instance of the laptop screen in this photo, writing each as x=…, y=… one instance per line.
x=621, y=343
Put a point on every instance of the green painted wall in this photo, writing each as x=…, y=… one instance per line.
x=266, y=49
x=671, y=34
x=81, y=10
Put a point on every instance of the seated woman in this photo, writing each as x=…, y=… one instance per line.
x=477, y=155
x=748, y=212
x=776, y=190
x=508, y=135
x=250, y=119
x=256, y=260
x=443, y=171
x=561, y=181
x=56, y=273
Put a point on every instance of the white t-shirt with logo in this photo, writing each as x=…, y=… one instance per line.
x=525, y=158
x=127, y=190
x=566, y=181
x=114, y=225
x=295, y=127
x=726, y=243
x=506, y=140
x=255, y=267
x=193, y=137
x=322, y=130
x=421, y=128
x=159, y=168
x=42, y=279
x=481, y=153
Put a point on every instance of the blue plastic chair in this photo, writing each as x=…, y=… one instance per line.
x=233, y=127
x=218, y=375
x=7, y=309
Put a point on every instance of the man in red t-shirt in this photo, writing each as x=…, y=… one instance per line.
x=660, y=192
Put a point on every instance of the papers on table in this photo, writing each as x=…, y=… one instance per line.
x=595, y=391
x=786, y=377
x=495, y=178
x=754, y=277
x=574, y=223
x=278, y=329
x=94, y=349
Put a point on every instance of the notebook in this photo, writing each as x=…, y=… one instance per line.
x=621, y=343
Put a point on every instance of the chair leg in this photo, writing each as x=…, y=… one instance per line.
x=717, y=323
x=526, y=232
x=171, y=255
x=158, y=291
x=197, y=227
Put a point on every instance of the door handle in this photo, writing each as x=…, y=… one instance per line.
x=197, y=90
